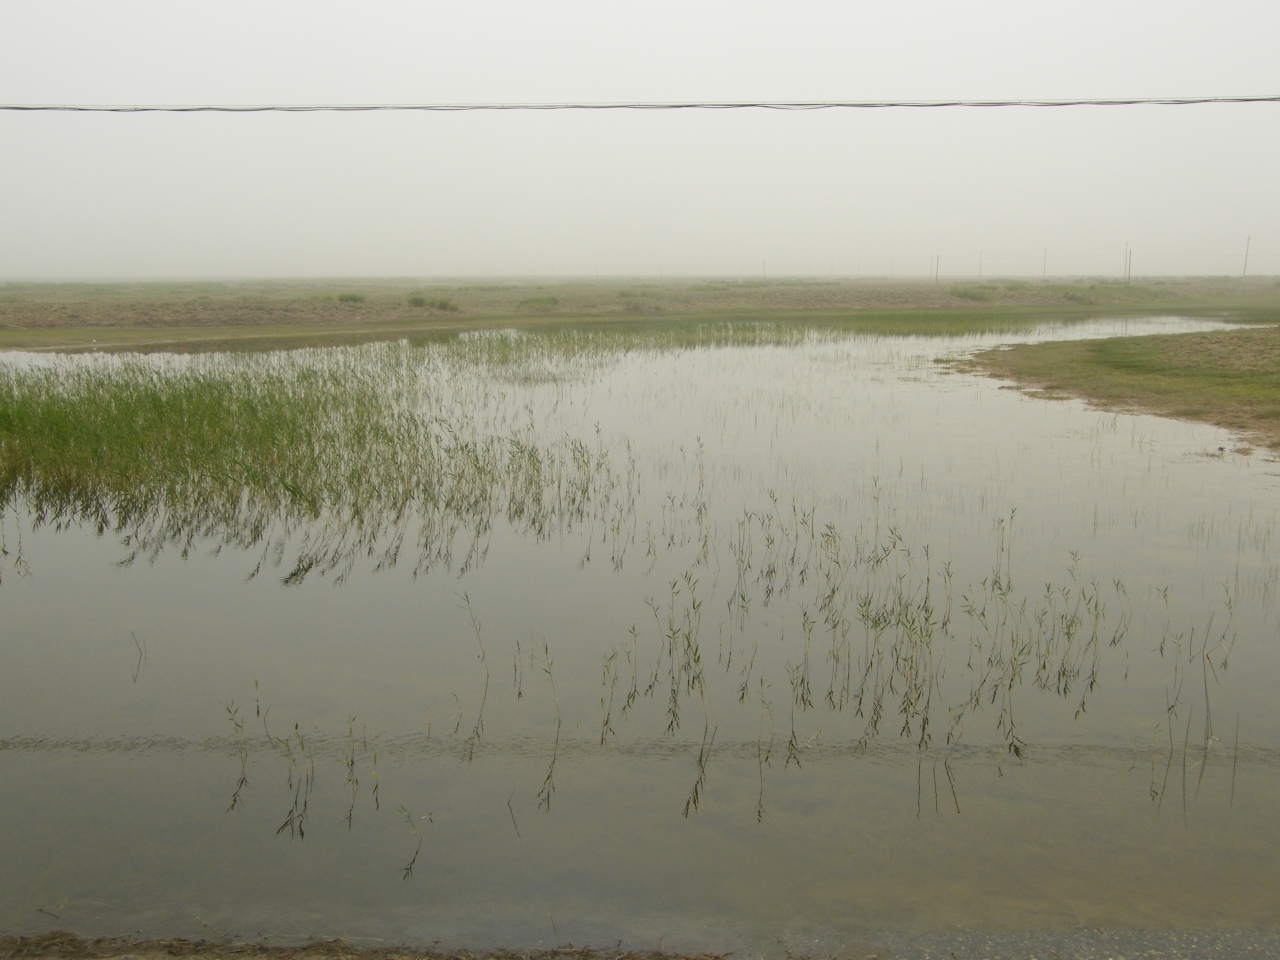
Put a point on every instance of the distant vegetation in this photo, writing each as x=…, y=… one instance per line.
x=274, y=314
x=447, y=306
x=539, y=304
x=635, y=301
x=983, y=291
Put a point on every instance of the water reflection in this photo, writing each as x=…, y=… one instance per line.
x=728, y=596
x=315, y=462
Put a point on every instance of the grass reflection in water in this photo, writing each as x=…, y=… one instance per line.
x=319, y=461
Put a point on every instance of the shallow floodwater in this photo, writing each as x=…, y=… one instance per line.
x=833, y=641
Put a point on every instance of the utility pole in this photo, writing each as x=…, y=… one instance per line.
x=1246, y=257
x=937, y=267
x=1044, y=269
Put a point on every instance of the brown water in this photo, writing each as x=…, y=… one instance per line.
x=852, y=644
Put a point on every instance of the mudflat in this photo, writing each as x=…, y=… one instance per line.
x=1080, y=944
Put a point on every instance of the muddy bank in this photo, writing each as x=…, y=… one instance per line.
x=1071, y=944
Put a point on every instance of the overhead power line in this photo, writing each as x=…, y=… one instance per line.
x=626, y=105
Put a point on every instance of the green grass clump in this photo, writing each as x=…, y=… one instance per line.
x=980, y=293
x=351, y=298
x=447, y=306
x=541, y=304
x=345, y=451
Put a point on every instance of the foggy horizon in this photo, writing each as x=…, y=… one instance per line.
x=1013, y=192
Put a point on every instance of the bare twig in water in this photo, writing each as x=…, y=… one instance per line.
x=1186, y=738
x=512, y=811
x=296, y=819
x=704, y=756
x=946, y=765
x=1164, y=786
x=549, y=783
x=141, y=647
x=352, y=780
x=478, y=729
x=242, y=750
x=1235, y=755
x=407, y=869
x=763, y=754
x=210, y=928
x=517, y=672
x=608, y=681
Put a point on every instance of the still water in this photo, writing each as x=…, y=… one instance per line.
x=760, y=647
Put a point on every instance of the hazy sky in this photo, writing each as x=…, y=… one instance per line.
x=635, y=193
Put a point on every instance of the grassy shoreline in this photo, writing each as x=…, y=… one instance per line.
x=1228, y=379
x=259, y=315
